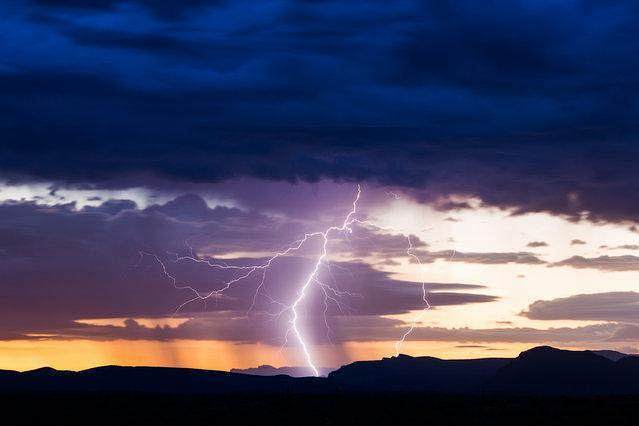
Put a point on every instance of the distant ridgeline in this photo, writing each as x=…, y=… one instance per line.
x=542, y=370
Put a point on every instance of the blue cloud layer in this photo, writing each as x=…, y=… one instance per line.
x=523, y=103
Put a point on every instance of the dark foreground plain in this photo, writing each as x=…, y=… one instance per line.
x=303, y=410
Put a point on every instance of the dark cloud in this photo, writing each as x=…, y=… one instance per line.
x=526, y=107
x=561, y=335
x=61, y=264
x=383, y=296
x=165, y=9
x=446, y=205
x=225, y=326
x=626, y=333
x=525, y=258
x=534, y=244
x=603, y=263
x=626, y=247
x=616, y=306
x=111, y=207
x=371, y=241
x=487, y=258
x=577, y=242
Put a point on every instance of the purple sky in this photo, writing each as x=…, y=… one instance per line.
x=498, y=140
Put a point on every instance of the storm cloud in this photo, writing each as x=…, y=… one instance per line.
x=352, y=328
x=618, y=306
x=525, y=105
x=62, y=264
x=525, y=258
x=602, y=263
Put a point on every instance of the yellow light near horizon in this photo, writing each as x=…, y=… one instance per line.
x=76, y=355
x=82, y=354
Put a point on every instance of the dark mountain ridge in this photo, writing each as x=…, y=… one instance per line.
x=546, y=370
x=269, y=370
x=423, y=374
x=162, y=380
x=540, y=371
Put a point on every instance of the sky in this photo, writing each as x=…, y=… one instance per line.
x=152, y=152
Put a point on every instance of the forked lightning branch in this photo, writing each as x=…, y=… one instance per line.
x=331, y=294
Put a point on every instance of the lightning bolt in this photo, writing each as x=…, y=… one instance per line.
x=245, y=272
x=419, y=316
x=346, y=227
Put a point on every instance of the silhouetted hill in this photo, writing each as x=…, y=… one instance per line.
x=269, y=370
x=611, y=355
x=541, y=371
x=549, y=371
x=7, y=374
x=153, y=380
x=538, y=371
x=424, y=374
x=546, y=370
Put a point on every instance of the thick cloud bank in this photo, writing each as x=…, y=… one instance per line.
x=525, y=104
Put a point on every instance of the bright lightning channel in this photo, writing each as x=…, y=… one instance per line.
x=418, y=317
x=246, y=272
